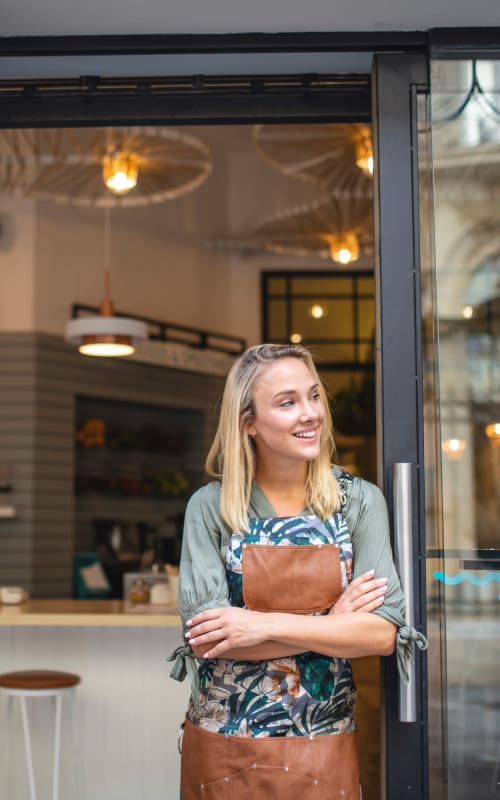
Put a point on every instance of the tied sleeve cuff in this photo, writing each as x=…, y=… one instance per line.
x=406, y=640
x=185, y=665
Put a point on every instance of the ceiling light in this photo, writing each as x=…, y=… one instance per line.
x=119, y=171
x=316, y=311
x=493, y=432
x=106, y=335
x=454, y=448
x=467, y=312
x=295, y=338
x=344, y=247
x=364, y=151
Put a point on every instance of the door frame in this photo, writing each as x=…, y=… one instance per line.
x=396, y=83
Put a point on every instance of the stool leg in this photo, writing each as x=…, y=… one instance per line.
x=27, y=742
x=76, y=747
x=57, y=747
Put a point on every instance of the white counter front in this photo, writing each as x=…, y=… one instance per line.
x=129, y=708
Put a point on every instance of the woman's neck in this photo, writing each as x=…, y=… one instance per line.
x=284, y=487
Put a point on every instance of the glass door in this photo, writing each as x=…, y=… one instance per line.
x=460, y=126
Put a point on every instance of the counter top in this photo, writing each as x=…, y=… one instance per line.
x=97, y=613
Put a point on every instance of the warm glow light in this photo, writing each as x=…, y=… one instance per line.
x=467, y=312
x=364, y=152
x=344, y=255
x=316, y=311
x=344, y=247
x=454, y=448
x=493, y=432
x=119, y=172
x=296, y=338
x=106, y=349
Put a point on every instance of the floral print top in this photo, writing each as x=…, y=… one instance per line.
x=306, y=694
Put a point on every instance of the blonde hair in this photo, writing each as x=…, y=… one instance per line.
x=231, y=458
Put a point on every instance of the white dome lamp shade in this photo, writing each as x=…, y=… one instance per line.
x=105, y=335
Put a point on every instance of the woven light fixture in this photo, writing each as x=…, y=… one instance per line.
x=338, y=156
x=102, y=167
x=338, y=227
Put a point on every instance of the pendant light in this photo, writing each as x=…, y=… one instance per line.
x=493, y=433
x=344, y=247
x=119, y=171
x=106, y=335
x=364, y=150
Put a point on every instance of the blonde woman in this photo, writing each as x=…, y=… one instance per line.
x=286, y=575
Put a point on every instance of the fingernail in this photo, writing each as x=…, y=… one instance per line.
x=371, y=572
x=189, y=622
x=187, y=635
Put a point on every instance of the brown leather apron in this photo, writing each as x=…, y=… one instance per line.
x=215, y=766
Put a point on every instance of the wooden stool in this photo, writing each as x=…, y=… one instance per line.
x=44, y=683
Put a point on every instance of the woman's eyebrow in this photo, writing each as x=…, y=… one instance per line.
x=293, y=391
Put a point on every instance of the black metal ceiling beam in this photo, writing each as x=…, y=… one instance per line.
x=198, y=99
x=335, y=41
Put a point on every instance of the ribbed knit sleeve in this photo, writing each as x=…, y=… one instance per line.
x=367, y=519
x=202, y=579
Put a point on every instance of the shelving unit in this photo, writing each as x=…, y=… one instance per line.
x=134, y=464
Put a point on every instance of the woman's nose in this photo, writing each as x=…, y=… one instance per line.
x=308, y=411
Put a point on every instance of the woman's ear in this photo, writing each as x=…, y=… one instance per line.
x=248, y=426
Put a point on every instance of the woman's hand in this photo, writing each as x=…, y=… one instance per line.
x=219, y=630
x=364, y=593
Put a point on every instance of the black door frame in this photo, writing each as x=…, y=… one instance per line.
x=397, y=80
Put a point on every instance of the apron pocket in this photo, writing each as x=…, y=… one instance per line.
x=220, y=767
x=299, y=579
x=268, y=783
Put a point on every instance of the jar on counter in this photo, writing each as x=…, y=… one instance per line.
x=139, y=592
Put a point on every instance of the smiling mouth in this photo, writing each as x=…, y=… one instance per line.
x=306, y=434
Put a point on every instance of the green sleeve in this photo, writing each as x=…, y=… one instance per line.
x=368, y=522
x=372, y=546
x=202, y=579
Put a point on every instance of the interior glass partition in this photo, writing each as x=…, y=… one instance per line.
x=460, y=254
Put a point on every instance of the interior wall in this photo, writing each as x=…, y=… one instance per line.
x=17, y=263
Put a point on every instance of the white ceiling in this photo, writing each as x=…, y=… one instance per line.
x=67, y=17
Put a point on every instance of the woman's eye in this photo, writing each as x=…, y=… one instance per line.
x=286, y=403
x=316, y=396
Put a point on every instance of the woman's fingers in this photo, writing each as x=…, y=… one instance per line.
x=231, y=626
x=364, y=593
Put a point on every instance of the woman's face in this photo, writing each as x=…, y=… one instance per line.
x=289, y=412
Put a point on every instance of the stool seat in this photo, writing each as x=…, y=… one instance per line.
x=38, y=679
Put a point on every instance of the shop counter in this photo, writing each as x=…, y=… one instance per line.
x=112, y=613
x=129, y=708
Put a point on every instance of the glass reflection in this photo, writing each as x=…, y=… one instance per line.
x=461, y=308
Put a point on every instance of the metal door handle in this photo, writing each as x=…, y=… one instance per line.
x=403, y=525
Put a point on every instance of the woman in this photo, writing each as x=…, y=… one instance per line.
x=286, y=574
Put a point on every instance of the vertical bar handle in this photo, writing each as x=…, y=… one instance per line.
x=403, y=526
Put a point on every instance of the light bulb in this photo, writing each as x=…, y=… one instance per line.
x=295, y=338
x=316, y=311
x=454, y=448
x=493, y=432
x=364, y=152
x=467, y=312
x=119, y=172
x=344, y=247
x=106, y=349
